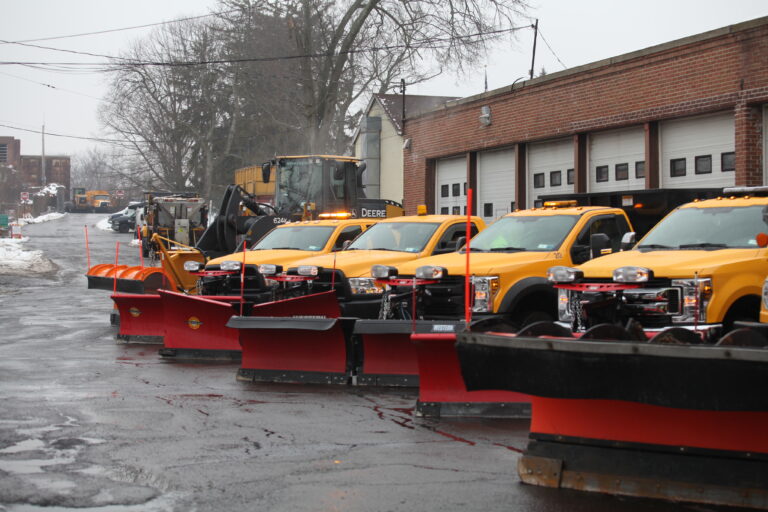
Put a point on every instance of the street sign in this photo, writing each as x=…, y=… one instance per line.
x=25, y=196
x=119, y=193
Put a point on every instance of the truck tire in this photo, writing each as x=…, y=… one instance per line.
x=124, y=228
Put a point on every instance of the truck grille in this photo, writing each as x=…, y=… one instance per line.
x=443, y=299
x=654, y=304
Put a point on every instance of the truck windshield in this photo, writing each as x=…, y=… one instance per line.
x=396, y=236
x=298, y=181
x=707, y=228
x=102, y=197
x=524, y=233
x=302, y=238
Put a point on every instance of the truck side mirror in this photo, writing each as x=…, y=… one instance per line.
x=360, y=170
x=266, y=170
x=346, y=244
x=598, y=243
x=460, y=242
x=628, y=241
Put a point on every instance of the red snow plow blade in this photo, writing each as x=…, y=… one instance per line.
x=387, y=356
x=141, y=317
x=298, y=340
x=195, y=326
x=129, y=279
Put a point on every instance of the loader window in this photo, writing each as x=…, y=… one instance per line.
x=299, y=181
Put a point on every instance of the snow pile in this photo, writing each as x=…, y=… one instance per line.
x=42, y=218
x=49, y=190
x=15, y=260
x=104, y=224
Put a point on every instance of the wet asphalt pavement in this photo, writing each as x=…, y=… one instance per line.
x=90, y=424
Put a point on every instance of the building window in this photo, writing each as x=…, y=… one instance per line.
x=444, y=210
x=487, y=209
x=555, y=178
x=728, y=162
x=622, y=172
x=569, y=176
x=640, y=170
x=538, y=180
x=703, y=164
x=677, y=167
x=601, y=173
x=3, y=152
x=456, y=189
x=443, y=190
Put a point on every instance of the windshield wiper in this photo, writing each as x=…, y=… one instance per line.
x=508, y=249
x=703, y=245
x=384, y=249
x=655, y=246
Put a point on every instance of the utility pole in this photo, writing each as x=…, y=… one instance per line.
x=402, y=92
x=535, y=36
x=42, y=160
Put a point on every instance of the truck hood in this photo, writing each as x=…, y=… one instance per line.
x=282, y=257
x=670, y=264
x=358, y=263
x=480, y=263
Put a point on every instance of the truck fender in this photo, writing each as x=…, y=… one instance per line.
x=525, y=288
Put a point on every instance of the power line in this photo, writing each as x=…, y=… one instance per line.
x=110, y=141
x=428, y=43
x=49, y=86
x=551, y=50
x=178, y=20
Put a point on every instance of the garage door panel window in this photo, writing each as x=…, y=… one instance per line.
x=622, y=172
x=538, y=180
x=601, y=173
x=640, y=169
x=488, y=210
x=555, y=178
x=456, y=189
x=677, y=167
x=728, y=162
x=443, y=190
x=703, y=164
x=569, y=176
x=444, y=210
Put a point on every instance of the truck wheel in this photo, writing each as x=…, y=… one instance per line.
x=123, y=227
x=527, y=317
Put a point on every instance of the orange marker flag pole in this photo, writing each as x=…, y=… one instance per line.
x=467, y=286
x=242, y=279
x=87, y=247
x=141, y=248
x=117, y=257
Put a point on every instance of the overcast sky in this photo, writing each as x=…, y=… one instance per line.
x=573, y=32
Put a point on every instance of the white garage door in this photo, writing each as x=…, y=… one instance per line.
x=495, y=183
x=451, y=186
x=550, y=169
x=617, y=160
x=698, y=152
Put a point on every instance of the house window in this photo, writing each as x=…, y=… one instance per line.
x=487, y=209
x=728, y=162
x=555, y=178
x=443, y=190
x=456, y=189
x=622, y=172
x=569, y=176
x=640, y=169
x=538, y=180
x=601, y=173
x=703, y=164
x=677, y=167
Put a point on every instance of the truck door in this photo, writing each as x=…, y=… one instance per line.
x=612, y=225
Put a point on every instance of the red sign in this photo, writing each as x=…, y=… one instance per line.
x=25, y=196
x=119, y=193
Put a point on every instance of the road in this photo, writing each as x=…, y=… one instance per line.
x=90, y=424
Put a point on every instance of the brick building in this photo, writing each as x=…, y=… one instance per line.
x=10, y=152
x=688, y=113
x=57, y=170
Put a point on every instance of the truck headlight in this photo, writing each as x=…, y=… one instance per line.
x=268, y=269
x=632, y=275
x=364, y=285
x=383, y=271
x=561, y=274
x=229, y=265
x=192, y=266
x=486, y=288
x=564, y=311
x=430, y=272
x=308, y=270
x=695, y=299
x=765, y=294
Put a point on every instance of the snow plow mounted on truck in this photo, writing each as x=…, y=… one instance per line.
x=659, y=363
x=304, y=186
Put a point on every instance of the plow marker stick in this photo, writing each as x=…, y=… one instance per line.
x=467, y=305
x=141, y=248
x=242, y=280
x=87, y=248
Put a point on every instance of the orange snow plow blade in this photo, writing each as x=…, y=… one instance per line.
x=129, y=279
x=195, y=327
x=141, y=317
x=298, y=340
